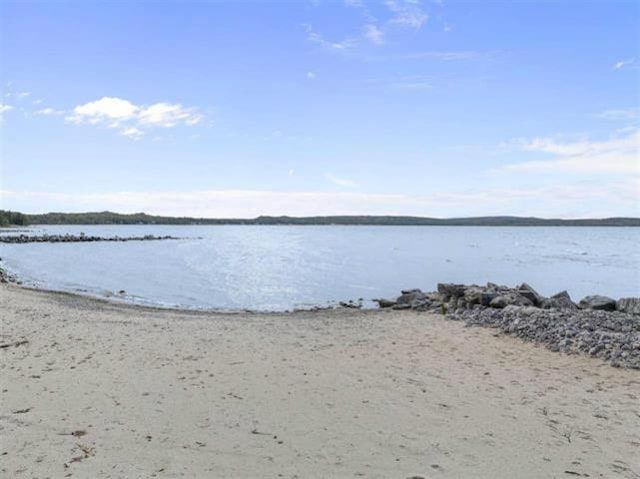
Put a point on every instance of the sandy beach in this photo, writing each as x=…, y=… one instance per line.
x=92, y=389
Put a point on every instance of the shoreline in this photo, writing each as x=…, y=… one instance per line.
x=592, y=328
x=95, y=388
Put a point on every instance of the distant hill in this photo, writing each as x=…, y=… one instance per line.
x=110, y=218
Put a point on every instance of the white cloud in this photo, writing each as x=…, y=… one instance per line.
x=167, y=115
x=311, y=75
x=595, y=199
x=132, y=132
x=623, y=63
x=374, y=34
x=132, y=119
x=317, y=38
x=24, y=94
x=48, y=112
x=619, y=154
x=4, y=109
x=106, y=108
x=622, y=114
x=345, y=182
x=407, y=13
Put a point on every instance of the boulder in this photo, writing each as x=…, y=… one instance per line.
x=531, y=294
x=487, y=297
x=597, y=302
x=385, y=303
x=561, y=300
x=473, y=295
x=410, y=296
x=507, y=299
x=451, y=290
x=628, y=305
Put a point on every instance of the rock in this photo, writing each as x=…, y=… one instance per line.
x=410, y=291
x=599, y=303
x=473, y=295
x=610, y=335
x=450, y=290
x=531, y=294
x=486, y=298
x=385, y=303
x=401, y=306
x=410, y=296
x=350, y=304
x=509, y=299
x=628, y=305
x=561, y=300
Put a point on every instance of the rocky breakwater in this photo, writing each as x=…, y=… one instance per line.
x=597, y=325
x=81, y=238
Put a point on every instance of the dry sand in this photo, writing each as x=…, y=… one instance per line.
x=114, y=391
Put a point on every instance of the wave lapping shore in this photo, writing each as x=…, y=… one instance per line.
x=597, y=325
x=81, y=238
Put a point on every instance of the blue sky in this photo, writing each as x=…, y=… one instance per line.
x=236, y=109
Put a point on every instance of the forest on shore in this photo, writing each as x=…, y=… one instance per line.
x=14, y=218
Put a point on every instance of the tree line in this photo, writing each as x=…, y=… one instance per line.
x=8, y=218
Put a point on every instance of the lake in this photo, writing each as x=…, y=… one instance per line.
x=284, y=267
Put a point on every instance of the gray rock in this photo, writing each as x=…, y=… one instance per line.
x=597, y=302
x=473, y=295
x=487, y=297
x=451, y=290
x=628, y=305
x=385, y=303
x=410, y=291
x=410, y=296
x=507, y=299
x=531, y=294
x=561, y=300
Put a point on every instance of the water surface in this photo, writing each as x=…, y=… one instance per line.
x=284, y=267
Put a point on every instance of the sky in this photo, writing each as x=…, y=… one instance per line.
x=239, y=109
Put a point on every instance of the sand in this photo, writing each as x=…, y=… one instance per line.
x=102, y=390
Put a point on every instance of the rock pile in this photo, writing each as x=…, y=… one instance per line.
x=81, y=238
x=597, y=325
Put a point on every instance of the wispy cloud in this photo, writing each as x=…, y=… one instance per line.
x=408, y=13
x=401, y=14
x=568, y=200
x=132, y=132
x=615, y=155
x=374, y=34
x=345, y=182
x=4, y=108
x=48, y=112
x=311, y=75
x=318, y=39
x=624, y=63
x=132, y=120
x=622, y=114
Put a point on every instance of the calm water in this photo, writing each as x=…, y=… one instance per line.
x=283, y=267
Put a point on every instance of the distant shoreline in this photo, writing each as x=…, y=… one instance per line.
x=10, y=218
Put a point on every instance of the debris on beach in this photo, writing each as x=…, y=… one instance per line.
x=597, y=325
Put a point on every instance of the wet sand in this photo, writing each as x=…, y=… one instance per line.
x=101, y=390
